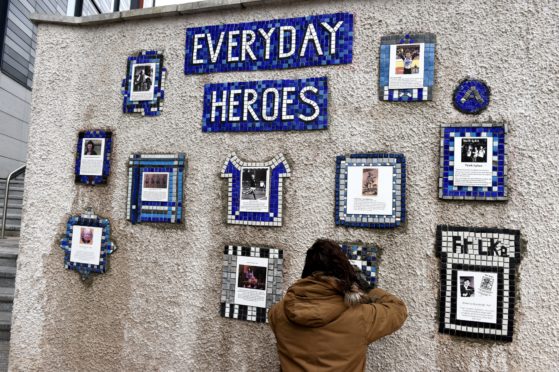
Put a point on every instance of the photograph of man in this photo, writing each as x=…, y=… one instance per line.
x=407, y=59
x=86, y=236
x=466, y=290
x=253, y=277
x=142, y=78
x=254, y=183
x=370, y=182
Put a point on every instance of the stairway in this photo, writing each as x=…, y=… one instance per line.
x=15, y=200
x=8, y=256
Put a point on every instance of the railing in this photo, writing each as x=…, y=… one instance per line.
x=12, y=175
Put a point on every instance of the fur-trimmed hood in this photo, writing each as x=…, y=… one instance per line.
x=318, y=300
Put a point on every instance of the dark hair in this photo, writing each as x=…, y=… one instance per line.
x=89, y=142
x=325, y=256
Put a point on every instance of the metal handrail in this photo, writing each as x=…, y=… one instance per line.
x=14, y=174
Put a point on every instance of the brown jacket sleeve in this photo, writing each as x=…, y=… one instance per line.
x=385, y=315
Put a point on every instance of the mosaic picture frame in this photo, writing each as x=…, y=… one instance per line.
x=87, y=223
x=244, y=302
x=266, y=209
x=398, y=83
x=478, y=281
x=155, y=188
x=143, y=87
x=487, y=179
x=101, y=141
x=364, y=256
x=392, y=208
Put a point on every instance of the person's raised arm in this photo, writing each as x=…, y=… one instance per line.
x=385, y=315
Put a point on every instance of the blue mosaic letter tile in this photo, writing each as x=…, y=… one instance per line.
x=269, y=105
x=266, y=45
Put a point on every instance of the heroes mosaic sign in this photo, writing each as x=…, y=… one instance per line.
x=276, y=44
x=267, y=105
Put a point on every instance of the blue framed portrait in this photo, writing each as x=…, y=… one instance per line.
x=473, y=162
x=255, y=190
x=143, y=85
x=155, y=188
x=87, y=244
x=93, y=164
x=407, y=67
x=370, y=190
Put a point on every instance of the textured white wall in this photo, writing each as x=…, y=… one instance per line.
x=157, y=307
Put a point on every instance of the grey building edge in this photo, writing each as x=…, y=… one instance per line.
x=132, y=15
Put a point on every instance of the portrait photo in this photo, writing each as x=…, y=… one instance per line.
x=143, y=77
x=467, y=286
x=407, y=59
x=92, y=147
x=155, y=180
x=252, y=277
x=474, y=150
x=86, y=236
x=254, y=184
x=369, y=185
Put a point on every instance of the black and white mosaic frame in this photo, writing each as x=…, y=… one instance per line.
x=492, y=253
x=364, y=256
x=274, y=281
x=398, y=215
x=278, y=169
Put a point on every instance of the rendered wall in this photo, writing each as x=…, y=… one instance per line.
x=157, y=307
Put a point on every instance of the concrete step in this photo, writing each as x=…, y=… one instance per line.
x=7, y=294
x=4, y=353
x=7, y=276
x=5, y=320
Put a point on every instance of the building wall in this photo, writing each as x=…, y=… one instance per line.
x=157, y=307
x=17, y=60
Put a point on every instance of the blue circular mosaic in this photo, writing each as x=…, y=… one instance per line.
x=471, y=96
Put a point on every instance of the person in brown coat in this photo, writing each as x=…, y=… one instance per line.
x=328, y=318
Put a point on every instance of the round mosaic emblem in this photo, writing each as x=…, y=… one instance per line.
x=471, y=96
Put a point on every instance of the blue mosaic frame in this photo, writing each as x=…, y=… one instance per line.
x=228, y=307
x=485, y=250
x=146, y=108
x=413, y=94
x=170, y=211
x=498, y=189
x=471, y=96
x=343, y=51
x=299, y=109
x=88, y=219
x=398, y=162
x=94, y=180
x=279, y=169
x=368, y=254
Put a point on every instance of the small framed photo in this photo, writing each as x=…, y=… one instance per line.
x=473, y=162
x=478, y=281
x=255, y=190
x=87, y=244
x=407, y=68
x=155, y=188
x=370, y=190
x=93, y=157
x=251, y=282
x=143, y=85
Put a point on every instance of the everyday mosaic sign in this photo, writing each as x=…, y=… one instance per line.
x=267, y=105
x=267, y=45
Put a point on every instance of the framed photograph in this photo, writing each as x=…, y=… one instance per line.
x=93, y=157
x=473, y=162
x=365, y=257
x=143, y=85
x=155, y=188
x=251, y=282
x=255, y=190
x=407, y=67
x=87, y=244
x=370, y=190
x=478, y=274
